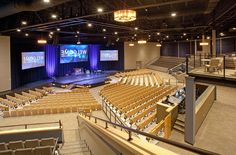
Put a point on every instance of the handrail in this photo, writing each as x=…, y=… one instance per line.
x=25, y=125
x=167, y=141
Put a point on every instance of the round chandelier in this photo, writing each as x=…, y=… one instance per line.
x=125, y=15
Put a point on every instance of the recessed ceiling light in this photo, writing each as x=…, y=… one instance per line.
x=104, y=37
x=234, y=28
x=208, y=37
x=58, y=29
x=222, y=34
x=99, y=9
x=135, y=35
x=142, y=41
x=149, y=36
x=54, y=16
x=77, y=32
x=26, y=34
x=131, y=44
x=115, y=33
x=146, y=10
x=50, y=36
x=104, y=30
x=89, y=25
x=18, y=30
x=198, y=37
x=24, y=23
x=136, y=28
x=184, y=34
x=187, y=39
x=158, y=33
x=173, y=14
x=51, y=33
x=158, y=45
x=76, y=36
x=42, y=41
x=167, y=36
x=46, y=1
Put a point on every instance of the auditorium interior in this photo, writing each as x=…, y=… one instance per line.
x=114, y=77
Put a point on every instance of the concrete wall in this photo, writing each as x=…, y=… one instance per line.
x=140, y=52
x=5, y=64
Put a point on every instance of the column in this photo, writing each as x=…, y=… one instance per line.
x=189, y=134
x=214, y=43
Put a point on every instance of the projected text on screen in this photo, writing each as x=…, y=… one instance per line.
x=32, y=59
x=109, y=55
x=73, y=53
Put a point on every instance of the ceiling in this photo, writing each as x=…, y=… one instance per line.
x=194, y=18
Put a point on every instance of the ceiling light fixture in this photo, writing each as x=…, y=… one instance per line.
x=115, y=33
x=24, y=23
x=204, y=44
x=104, y=30
x=131, y=44
x=158, y=33
x=42, y=41
x=99, y=10
x=142, y=41
x=77, y=32
x=89, y=25
x=54, y=16
x=173, y=14
x=58, y=29
x=158, y=45
x=184, y=34
x=18, y=30
x=222, y=34
x=26, y=34
x=208, y=37
x=136, y=28
x=46, y=1
x=125, y=15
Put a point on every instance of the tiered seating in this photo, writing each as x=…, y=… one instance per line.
x=147, y=79
x=168, y=62
x=133, y=73
x=45, y=146
x=64, y=102
x=137, y=104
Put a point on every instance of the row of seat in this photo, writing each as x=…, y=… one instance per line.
x=32, y=143
x=43, y=150
x=134, y=72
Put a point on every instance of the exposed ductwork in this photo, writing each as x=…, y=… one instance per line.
x=27, y=5
x=211, y=6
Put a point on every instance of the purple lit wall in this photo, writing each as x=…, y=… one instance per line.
x=51, y=59
x=93, y=56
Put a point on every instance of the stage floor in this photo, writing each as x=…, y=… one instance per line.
x=84, y=79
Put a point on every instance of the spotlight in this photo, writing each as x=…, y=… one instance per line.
x=135, y=35
x=24, y=23
x=131, y=44
x=89, y=25
x=51, y=33
x=26, y=34
x=99, y=10
x=104, y=37
x=222, y=34
x=173, y=14
x=42, y=41
x=18, y=30
x=58, y=29
x=136, y=28
x=184, y=34
x=54, y=16
x=77, y=32
x=104, y=30
x=167, y=36
x=158, y=45
x=158, y=33
x=208, y=37
x=115, y=33
x=142, y=41
x=234, y=28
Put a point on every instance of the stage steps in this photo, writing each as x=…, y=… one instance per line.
x=179, y=125
x=79, y=147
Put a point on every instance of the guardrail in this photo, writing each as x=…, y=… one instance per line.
x=167, y=141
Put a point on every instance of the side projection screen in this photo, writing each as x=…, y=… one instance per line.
x=32, y=59
x=109, y=55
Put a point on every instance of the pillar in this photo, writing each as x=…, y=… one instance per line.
x=214, y=43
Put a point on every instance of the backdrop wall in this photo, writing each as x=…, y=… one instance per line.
x=5, y=64
x=140, y=52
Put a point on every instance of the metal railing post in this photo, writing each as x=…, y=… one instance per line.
x=224, y=65
x=106, y=126
x=130, y=136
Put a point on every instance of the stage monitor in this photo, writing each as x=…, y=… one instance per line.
x=108, y=55
x=73, y=53
x=32, y=59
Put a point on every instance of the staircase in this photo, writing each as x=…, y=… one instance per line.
x=79, y=147
x=179, y=124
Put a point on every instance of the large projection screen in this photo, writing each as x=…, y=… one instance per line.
x=32, y=59
x=108, y=55
x=73, y=53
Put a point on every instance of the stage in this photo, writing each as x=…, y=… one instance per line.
x=90, y=80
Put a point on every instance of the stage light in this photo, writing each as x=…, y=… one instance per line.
x=54, y=16
x=142, y=41
x=136, y=28
x=26, y=34
x=99, y=10
x=18, y=30
x=115, y=33
x=42, y=41
x=89, y=25
x=58, y=29
x=23, y=23
x=173, y=14
x=131, y=44
x=46, y=1
x=78, y=42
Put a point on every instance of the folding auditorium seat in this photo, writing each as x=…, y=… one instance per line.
x=41, y=111
x=27, y=151
x=20, y=112
x=7, y=152
x=61, y=110
x=34, y=111
x=27, y=112
x=6, y=114
x=48, y=111
x=44, y=150
x=74, y=109
x=15, y=145
x=47, y=142
x=54, y=110
x=67, y=109
x=3, y=146
x=13, y=113
x=32, y=143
